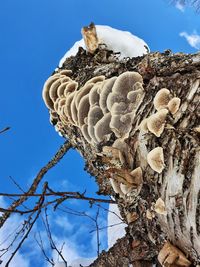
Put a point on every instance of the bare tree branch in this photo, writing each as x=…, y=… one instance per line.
x=41, y=201
x=4, y=130
x=40, y=244
x=58, y=156
x=57, y=201
x=51, y=241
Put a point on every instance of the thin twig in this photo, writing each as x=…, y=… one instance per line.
x=4, y=130
x=40, y=244
x=58, y=156
x=97, y=233
x=17, y=185
x=41, y=201
x=51, y=241
x=56, y=201
x=76, y=195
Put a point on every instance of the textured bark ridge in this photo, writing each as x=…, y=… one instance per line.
x=149, y=157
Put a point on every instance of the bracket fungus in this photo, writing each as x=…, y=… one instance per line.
x=55, y=87
x=156, y=122
x=155, y=159
x=99, y=108
x=116, y=187
x=121, y=105
x=161, y=99
x=126, y=189
x=125, y=151
x=136, y=176
x=174, y=105
x=171, y=256
x=115, y=155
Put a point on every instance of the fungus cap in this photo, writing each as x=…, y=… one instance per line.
x=84, y=130
x=114, y=154
x=67, y=108
x=125, y=188
x=143, y=126
x=135, y=96
x=125, y=150
x=125, y=82
x=94, y=115
x=102, y=129
x=96, y=79
x=83, y=110
x=155, y=159
x=65, y=72
x=136, y=176
x=82, y=92
x=121, y=125
x=61, y=89
x=94, y=94
x=174, y=105
x=161, y=99
x=105, y=91
x=156, y=122
x=116, y=187
x=45, y=92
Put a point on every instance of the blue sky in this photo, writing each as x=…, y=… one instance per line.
x=34, y=35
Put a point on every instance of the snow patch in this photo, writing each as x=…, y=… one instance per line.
x=116, y=227
x=124, y=42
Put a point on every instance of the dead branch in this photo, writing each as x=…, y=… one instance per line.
x=4, y=130
x=40, y=203
x=58, y=156
x=56, y=201
x=40, y=244
x=50, y=238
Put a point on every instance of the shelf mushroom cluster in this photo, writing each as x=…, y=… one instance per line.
x=99, y=108
x=164, y=103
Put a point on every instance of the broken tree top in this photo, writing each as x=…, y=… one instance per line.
x=123, y=42
x=135, y=118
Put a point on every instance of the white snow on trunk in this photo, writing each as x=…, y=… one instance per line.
x=124, y=42
x=116, y=227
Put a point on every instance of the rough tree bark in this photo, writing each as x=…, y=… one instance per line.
x=167, y=205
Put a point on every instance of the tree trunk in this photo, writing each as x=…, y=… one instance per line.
x=164, y=204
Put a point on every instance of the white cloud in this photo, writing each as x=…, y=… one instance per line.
x=66, y=235
x=180, y=5
x=73, y=250
x=70, y=250
x=5, y=231
x=193, y=39
x=64, y=223
x=70, y=253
